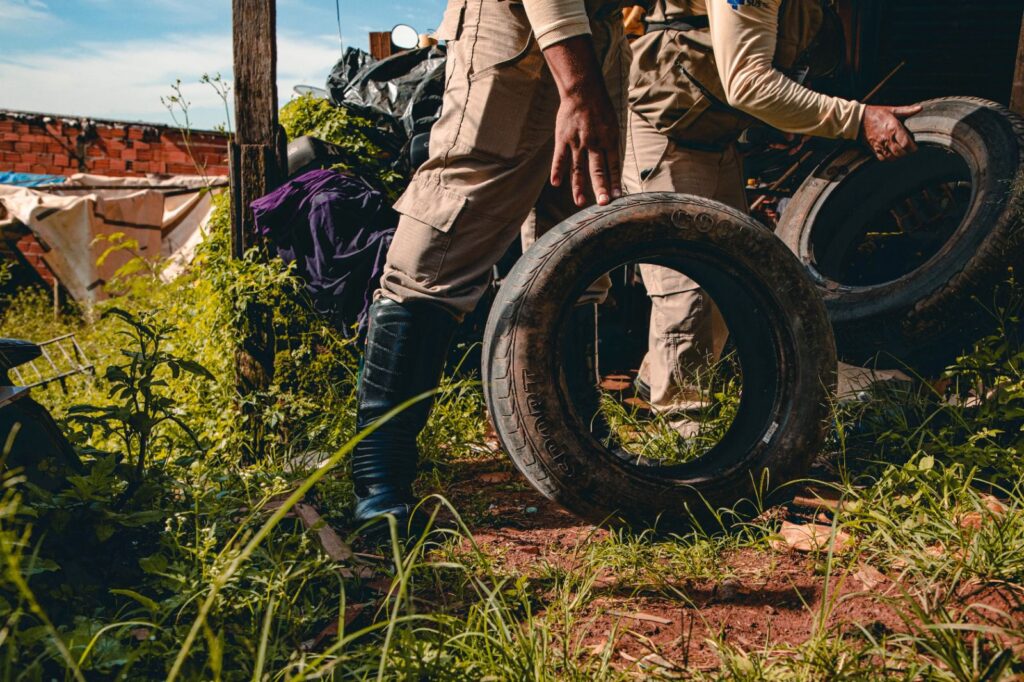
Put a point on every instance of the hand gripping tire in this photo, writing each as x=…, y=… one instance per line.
x=923, y=317
x=781, y=332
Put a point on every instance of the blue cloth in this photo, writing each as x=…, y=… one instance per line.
x=336, y=228
x=29, y=179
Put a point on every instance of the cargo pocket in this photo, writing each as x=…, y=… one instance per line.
x=659, y=90
x=506, y=116
x=504, y=37
x=419, y=250
x=676, y=88
x=451, y=23
x=429, y=202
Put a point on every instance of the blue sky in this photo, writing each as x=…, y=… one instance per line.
x=116, y=58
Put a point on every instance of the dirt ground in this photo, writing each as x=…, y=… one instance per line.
x=770, y=597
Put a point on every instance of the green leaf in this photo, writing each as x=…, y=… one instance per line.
x=195, y=368
x=146, y=602
x=154, y=565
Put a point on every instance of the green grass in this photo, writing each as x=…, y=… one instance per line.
x=193, y=575
x=653, y=436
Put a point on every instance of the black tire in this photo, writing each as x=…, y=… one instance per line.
x=783, y=338
x=925, y=316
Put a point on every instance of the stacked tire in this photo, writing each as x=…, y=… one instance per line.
x=923, y=317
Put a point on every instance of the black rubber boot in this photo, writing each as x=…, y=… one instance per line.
x=406, y=348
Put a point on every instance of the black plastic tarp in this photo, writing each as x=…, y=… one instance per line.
x=405, y=87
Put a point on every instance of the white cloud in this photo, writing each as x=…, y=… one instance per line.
x=23, y=10
x=128, y=78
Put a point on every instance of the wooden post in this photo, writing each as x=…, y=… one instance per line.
x=258, y=164
x=1017, y=94
x=380, y=44
x=257, y=155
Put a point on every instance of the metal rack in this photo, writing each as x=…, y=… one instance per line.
x=62, y=357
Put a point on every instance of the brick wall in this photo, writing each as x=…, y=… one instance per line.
x=32, y=251
x=48, y=144
x=61, y=145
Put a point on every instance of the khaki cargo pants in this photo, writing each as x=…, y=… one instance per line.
x=490, y=154
x=686, y=329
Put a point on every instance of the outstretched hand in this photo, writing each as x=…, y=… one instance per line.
x=587, y=126
x=885, y=133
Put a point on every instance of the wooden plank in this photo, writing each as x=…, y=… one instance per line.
x=380, y=44
x=1017, y=94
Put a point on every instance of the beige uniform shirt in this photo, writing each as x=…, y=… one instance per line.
x=556, y=20
x=743, y=35
x=744, y=40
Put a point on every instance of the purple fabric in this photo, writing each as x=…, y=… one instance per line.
x=336, y=228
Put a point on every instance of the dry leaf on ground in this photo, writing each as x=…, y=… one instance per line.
x=869, y=576
x=811, y=537
x=640, y=616
x=332, y=543
x=496, y=477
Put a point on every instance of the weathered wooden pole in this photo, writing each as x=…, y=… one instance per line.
x=258, y=150
x=258, y=165
x=1017, y=95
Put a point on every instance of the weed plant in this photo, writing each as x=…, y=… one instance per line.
x=181, y=559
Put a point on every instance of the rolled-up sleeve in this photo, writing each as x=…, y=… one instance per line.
x=744, y=36
x=556, y=20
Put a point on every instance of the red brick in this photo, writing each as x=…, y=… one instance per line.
x=129, y=155
x=22, y=168
x=135, y=133
x=117, y=164
x=6, y=125
x=22, y=147
x=30, y=158
x=41, y=169
x=143, y=154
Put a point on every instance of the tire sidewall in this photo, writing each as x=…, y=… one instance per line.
x=550, y=443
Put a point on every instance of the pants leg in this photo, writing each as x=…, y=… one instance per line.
x=686, y=330
x=490, y=155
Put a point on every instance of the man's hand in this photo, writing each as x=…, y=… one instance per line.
x=587, y=127
x=885, y=133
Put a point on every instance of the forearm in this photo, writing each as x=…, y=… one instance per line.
x=770, y=96
x=574, y=66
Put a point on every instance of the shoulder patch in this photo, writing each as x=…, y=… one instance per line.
x=736, y=4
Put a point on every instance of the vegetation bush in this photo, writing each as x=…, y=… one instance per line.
x=174, y=553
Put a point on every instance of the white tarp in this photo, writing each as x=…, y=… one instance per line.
x=166, y=215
